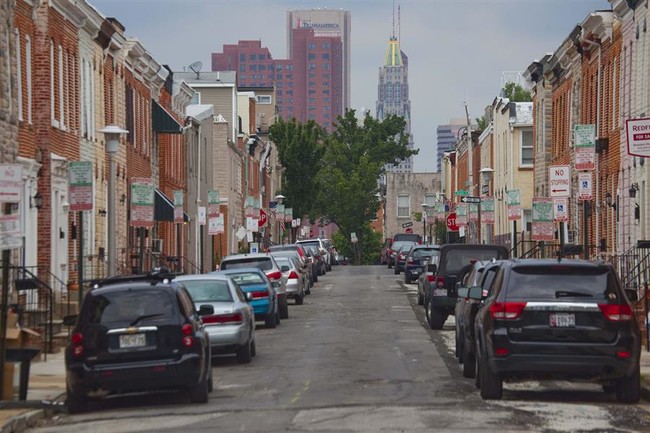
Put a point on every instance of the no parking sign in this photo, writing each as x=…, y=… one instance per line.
x=560, y=210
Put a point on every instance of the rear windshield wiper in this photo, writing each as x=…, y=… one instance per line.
x=147, y=316
x=568, y=293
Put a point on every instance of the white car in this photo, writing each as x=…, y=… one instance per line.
x=295, y=280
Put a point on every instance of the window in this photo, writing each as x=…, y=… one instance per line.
x=242, y=57
x=261, y=57
x=312, y=57
x=263, y=99
x=242, y=68
x=28, y=73
x=252, y=67
x=403, y=209
x=325, y=56
x=261, y=67
x=311, y=46
x=252, y=57
x=526, y=140
x=312, y=66
x=430, y=200
x=61, y=116
x=19, y=81
x=52, y=86
x=326, y=45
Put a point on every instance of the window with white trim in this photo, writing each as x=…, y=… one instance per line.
x=19, y=81
x=61, y=99
x=403, y=206
x=52, y=86
x=526, y=147
x=28, y=76
x=263, y=99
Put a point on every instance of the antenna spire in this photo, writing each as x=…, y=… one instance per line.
x=399, y=25
x=393, y=18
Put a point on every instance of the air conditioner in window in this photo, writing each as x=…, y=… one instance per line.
x=156, y=246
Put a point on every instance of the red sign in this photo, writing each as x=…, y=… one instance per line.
x=263, y=218
x=451, y=222
x=409, y=230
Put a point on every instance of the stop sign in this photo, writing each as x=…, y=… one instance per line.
x=263, y=218
x=451, y=222
x=409, y=230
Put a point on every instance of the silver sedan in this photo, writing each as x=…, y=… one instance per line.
x=232, y=327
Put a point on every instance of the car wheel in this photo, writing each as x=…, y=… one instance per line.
x=244, y=353
x=199, y=393
x=469, y=363
x=390, y=265
x=437, y=318
x=316, y=277
x=300, y=299
x=491, y=383
x=270, y=321
x=628, y=389
x=284, y=308
x=477, y=371
x=75, y=403
x=609, y=388
x=396, y=270
x=407, y=280
x=253, y=348
x=420, y=298
x=277, y=316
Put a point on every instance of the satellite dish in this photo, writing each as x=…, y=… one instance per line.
x=196, y=68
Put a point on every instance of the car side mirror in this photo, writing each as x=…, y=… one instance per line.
x=432, y=268
x=275, y=284
x=476, y=293
x=206, y=310
x=462, y=292
x=70, y=320
x=284, y=268
x=249, y=296
x=632, y=295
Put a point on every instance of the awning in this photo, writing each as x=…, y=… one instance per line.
x=164, y=208
x=162, y=121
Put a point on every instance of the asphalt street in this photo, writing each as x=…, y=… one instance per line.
x=358, y=357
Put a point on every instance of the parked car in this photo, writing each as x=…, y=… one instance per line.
x=465, y=312
x=295, y=281
x=385, y=251
x=400, y=257
x=416, y=259
x=137, y=333
x=318, y=260
x=264, y=299
x=265, y=262
x=413, y=237
x=557, y=319
x=303, y=264
x=395, y=247
x=425, y=280
x=440, y=301
x=232, y=326
x=322, y=248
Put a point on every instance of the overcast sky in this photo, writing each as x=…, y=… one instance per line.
x=457, y=49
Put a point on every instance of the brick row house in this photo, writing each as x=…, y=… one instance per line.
x=71, y=73
x=597, y=77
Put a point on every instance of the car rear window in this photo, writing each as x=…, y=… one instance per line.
x=130, y=305
x=455, y=259
x=260, y=263
x=424, y=252
x=208, y=290
x=561, y=283
x=407, y=237
x=247, y=278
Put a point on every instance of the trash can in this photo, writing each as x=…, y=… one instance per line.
x=24, y=356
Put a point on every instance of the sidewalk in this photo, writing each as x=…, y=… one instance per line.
x=46, y=393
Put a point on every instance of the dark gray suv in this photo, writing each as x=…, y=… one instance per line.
x=557, y=319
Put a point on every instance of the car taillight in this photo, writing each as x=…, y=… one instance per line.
x=224, y=319
x=258, y=294
x=293, y=275
x=507, y=310
x=439, y=280
x=274, y=275
x=410, y=260
x=77, y=341
x=500, y=351
x=617, y=312
x=430, y=278
x=187, y=330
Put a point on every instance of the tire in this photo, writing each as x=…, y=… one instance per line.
x=253, y=348
x=436, y=317
x=407, y=280
x=469, y=363
x=210, y=380
x=396, y=270
x=609, y=388
x=628, y=389
x=491, y=383
x=199, y=393
x=389, y=265
x=75, y=403
x=283, y=307
x=420, y=298
x=245, y=353
x=270, y=320
x=315, y=277
x=300, y=299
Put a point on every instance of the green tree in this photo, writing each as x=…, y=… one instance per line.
x=515, y=93
x=482, y=123
x=354, y=158
x=300, y=150
x=369, y=250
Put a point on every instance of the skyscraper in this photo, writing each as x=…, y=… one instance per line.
x=447, y=137
x=252, y=62
x=393, y=97
x=326, y=23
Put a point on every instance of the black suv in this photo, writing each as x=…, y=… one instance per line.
x=440, y=299
x=557, y=319
x=137, y=333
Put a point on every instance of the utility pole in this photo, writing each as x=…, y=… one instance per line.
x=470, y=174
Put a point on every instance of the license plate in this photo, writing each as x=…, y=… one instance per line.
x=439, y=292
x=415, y=271
x=132, y=340
x=562, y=320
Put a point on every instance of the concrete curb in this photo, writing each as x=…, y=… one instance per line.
x=22, y=422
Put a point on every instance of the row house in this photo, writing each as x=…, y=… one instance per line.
x=9, y=98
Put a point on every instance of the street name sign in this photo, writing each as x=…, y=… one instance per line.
x=408, y=224
x=461, y=192
x=470, y=199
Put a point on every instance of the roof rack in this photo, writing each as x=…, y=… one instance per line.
x=155, y=276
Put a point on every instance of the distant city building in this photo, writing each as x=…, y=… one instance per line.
x=309, y=85
x=393, y=96
x=326, y=23
x=447, y=136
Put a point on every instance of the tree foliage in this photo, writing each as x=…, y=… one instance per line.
x=482, y=123
x=515, y=93
x=334, y=176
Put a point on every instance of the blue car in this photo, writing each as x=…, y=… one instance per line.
x=265, y=301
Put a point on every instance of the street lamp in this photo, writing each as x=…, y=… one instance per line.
x=279, y=198
x=112, y=134
x=425, y=206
